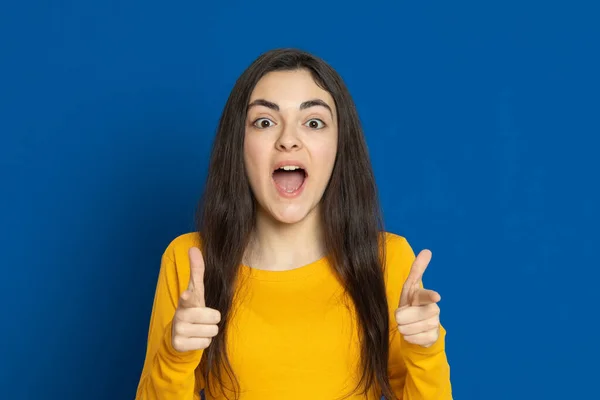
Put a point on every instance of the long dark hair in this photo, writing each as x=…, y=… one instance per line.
x=350, y=213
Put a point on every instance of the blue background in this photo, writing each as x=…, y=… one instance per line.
x=482, y=122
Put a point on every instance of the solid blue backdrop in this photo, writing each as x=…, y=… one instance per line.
x=482, y=122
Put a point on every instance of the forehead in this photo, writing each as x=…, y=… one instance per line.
x=290, y=87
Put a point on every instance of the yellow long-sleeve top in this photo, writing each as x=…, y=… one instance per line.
x=292, y=335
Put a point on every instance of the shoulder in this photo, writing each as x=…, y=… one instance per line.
x=398, y=260
x=178, y=247
x=397, y=249
x=174, y=272
x=175, y=263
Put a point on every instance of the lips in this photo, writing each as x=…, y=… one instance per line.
x=289, y=177
x=284, y=163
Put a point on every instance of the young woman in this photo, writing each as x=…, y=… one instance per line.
x=291, y=289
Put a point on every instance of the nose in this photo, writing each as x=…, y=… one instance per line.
x=288, y=140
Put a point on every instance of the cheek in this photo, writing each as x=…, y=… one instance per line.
x=254, y=158
x=326, y=153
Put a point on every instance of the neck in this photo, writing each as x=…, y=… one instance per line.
x=279, y=246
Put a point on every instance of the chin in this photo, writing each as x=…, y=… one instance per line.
x=290, y=214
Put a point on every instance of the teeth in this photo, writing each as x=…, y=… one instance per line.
x=289, y=167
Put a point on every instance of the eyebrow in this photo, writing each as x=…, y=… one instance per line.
x=303, y=106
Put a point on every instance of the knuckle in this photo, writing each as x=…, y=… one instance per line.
x=433, y=336
x=204, y=342
x=185, y=296
x=433, y=323
x=398, y=316
x=211, y=316
x=210, y=331
x=180, y=329
x=177, y=315
x=180, y=315
x=177, y=343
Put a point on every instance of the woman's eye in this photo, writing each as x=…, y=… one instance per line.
x=262, y=123
x=315, y=123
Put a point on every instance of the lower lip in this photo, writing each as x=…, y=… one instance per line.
x=290, y=195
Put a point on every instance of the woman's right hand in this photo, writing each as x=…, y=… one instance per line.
x=194, y=325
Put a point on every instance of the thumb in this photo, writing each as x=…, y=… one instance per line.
x=196, y=283
x=423, y=297
x=415, y=277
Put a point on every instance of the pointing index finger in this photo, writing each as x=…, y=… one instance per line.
x=415, y=277
x=418, y=268
x=196, y=283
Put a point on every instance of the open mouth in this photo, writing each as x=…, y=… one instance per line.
x=289, y=179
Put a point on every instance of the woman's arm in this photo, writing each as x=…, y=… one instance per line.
x=167, y=373
x=416, y=372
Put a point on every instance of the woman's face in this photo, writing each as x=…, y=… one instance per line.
x=290, y=144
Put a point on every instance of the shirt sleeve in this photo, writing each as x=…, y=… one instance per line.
x=415, y=372
x=167, y=374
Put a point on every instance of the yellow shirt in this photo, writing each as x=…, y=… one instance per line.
x=292, y=335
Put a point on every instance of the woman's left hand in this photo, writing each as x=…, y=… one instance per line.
x=418, y=314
